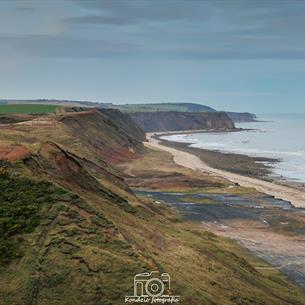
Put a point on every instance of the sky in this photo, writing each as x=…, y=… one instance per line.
x=231, y=55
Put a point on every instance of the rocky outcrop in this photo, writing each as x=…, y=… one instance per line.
x=171, y=121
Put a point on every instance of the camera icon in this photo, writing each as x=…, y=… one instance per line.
x=151, y=284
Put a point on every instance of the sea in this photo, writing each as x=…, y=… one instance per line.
x=279, y=136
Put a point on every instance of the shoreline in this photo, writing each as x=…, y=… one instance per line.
x=189, y=131
x=252, y=166
x=255, y=167
x=190, y=160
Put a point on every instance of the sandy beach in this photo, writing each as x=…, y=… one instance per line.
x=295, y=196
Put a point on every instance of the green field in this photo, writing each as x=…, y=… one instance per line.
x=153, y=107
x=27, y=109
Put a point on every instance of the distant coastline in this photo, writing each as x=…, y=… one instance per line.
x=272, y=139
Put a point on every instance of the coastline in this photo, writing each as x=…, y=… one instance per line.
x=255, y=167
x=191, y=160
x=175, y=132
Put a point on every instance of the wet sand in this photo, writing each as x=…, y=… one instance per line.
x=256, y=167
x=294, y=195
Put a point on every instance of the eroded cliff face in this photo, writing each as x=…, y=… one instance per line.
x=72, y=232
x=171, y=121
x=108, y=132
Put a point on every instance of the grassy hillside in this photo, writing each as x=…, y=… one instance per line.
x=182, y=107
x=63, y=103
x=27, y=109
x=152, y=107
x=73, y=232
x=86, y=246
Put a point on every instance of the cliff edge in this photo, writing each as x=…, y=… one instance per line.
x=172, y=121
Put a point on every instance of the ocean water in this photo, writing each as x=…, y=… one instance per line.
x=275, y=136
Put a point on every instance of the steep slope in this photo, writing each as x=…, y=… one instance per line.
x=84, y=244
x=242, y=116
x=111, y=134
x=72, y=231
x=170, y=121
x=57, y=245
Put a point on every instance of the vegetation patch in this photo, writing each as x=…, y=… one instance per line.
x=155, y=107
x=20, y=202
x=27, y=109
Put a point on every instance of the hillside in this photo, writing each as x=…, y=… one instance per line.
x=171, y=121
x=56, y=102
x=109, y=133
x=73, y=232
x=149, y=107
x=242, y=116
x=152, y=107
x=182, y=107
x=27, y=109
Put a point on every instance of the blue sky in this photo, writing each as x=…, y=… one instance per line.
x=231, y=55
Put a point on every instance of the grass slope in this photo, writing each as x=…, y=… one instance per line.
x=153, y=107
x=83, y=235
x=27, y=109
x=20, y=201
x=86, y=248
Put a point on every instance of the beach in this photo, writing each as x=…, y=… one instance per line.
x=174, y=176
x=292, y=194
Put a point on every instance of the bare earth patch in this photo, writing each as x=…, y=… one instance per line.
x=13, y=153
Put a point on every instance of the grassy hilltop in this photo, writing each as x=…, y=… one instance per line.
x=129, y=108
x=153, y=107
x=74, y=232
x=27, y=109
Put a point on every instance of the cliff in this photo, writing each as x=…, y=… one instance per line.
x=72, y=232
x=171, y=121
x=108, y=132
x=242, y=116
x=182, y=107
